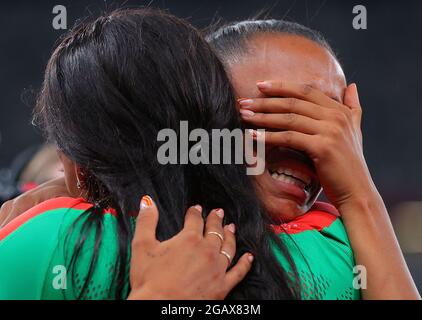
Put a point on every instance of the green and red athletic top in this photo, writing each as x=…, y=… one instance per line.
x=36, y=249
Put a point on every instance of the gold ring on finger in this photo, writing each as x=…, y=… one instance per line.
x=217, y=234
x=229, y=258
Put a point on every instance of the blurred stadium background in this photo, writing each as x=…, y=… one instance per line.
x=385, y=61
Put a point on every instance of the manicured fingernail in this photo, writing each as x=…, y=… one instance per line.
x=231, y=228
x=198, y=207
x=250, y=257
x=263, y=84
x=146, y=202
x=246, y=113
x=245, y=103
x=219, y=212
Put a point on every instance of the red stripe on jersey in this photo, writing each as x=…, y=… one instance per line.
x=320, y=216
x=52, y=204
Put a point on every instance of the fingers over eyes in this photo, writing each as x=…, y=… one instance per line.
x=287, y=121
x=296, y=90
x=283, y=105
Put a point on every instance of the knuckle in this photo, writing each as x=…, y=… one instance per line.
x=305, y=89
x=210, y=254
x=290, y=103
x=326, y=146
x=290, y=118
x=340, y=117
x=335, y=130
x=192, y=237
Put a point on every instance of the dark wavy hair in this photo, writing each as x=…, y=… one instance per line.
x=110, y=86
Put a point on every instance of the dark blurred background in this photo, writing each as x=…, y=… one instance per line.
x=385, y=61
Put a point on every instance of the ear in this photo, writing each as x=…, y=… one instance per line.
x=72, y=173
x=80, y=177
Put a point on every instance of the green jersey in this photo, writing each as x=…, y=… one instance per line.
x=37, y=247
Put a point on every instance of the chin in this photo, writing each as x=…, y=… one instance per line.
x=283, y=210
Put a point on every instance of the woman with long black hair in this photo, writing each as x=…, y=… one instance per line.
x=110, y=86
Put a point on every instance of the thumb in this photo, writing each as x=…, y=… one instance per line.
x=146, y=223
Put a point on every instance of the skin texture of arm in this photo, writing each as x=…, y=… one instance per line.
x=375, y=245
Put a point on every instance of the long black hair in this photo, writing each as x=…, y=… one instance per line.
x=110, y=86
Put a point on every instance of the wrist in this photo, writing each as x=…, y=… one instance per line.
x=361, y=200
x=368, y=204
x=362, y=194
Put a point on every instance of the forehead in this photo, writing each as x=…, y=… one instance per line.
x=289, y=58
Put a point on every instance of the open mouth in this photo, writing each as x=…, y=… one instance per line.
x=290, y=176
x=293, y=175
